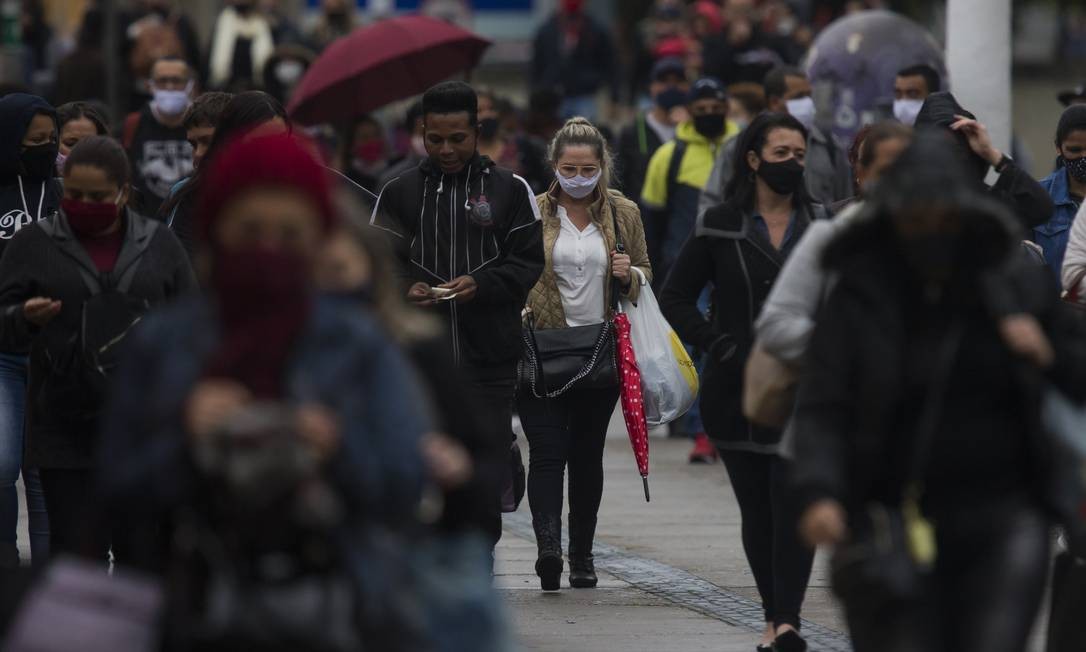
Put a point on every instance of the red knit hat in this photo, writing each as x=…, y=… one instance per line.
x=279, y=161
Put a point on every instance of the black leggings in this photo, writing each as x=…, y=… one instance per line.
x=987, y=587
x=781, y=563
x=570, y=429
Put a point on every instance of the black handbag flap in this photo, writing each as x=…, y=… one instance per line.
x=561, y=342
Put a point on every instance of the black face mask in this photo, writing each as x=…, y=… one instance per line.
x=488, y=128
x=782, y=177
x=39, y=161
x=1076, y=167
x=709, y=125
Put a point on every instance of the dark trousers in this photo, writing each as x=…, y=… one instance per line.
x=780, y=562
x=492, y=393
x=568, y=430
x=987, y=586
x=78, y=523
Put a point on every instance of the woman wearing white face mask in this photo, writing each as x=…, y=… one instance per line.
x=583, y=265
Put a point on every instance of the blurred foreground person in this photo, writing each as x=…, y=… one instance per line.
x=739, y=248
x=593, y=240
x=466, y=236
x=452, y=549
x=277, y=434
x=920, y=451
x=73, y=287
x=29, y=192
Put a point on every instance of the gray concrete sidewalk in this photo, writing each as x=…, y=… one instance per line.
x=673, y=574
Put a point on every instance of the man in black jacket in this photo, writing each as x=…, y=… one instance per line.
x=469, y=241
x=573, y=54
x=653, y=127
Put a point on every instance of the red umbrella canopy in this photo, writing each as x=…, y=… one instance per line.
x=379, y=64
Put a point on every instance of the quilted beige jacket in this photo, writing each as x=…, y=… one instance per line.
x=544, y=300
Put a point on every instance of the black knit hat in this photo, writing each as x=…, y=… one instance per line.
x=1072, y=119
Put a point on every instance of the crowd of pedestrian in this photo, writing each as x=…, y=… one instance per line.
x=271, y=379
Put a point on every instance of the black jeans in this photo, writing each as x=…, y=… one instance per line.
x=781, y=563
x=492, y=392
x=987, y=586
x=568, y=430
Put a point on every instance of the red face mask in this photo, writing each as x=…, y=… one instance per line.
x=263, y=298
x=90, y=218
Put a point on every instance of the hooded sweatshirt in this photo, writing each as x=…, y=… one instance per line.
x=483, y=222
x=1020, y=192
x=23, y=199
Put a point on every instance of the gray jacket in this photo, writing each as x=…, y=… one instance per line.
x=829, y=177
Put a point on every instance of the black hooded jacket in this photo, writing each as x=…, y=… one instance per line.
x=1026, y=198
x=23, y=199
x=881, y=346
x=482, y=222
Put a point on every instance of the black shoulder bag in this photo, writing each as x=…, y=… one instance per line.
x=877, y=569
x=556, y=360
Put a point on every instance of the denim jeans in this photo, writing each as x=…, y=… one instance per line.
x=584, y=106
x=12, y=412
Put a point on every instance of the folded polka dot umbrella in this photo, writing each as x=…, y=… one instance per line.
x=633, y=405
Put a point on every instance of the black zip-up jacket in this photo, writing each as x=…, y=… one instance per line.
x=728, y=251
x=51, y=263
x=23, y=200
x=440, y=229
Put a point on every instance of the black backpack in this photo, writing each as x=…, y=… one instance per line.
x=80, y=364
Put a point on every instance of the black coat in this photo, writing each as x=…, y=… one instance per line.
x=39, y=264
x=436, y=238
x=727, y=250
x=584, y=70
x=872, y=361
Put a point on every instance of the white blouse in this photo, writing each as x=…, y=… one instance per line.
x=580, y=265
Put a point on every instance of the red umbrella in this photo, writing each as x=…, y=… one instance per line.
x=633, y=405
x=387, y=61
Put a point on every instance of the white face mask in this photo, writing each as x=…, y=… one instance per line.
x=579, y=187
x=171, y=103
x=907, y=110
x=802, y=109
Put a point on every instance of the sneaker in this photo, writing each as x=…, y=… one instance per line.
x=704, y=452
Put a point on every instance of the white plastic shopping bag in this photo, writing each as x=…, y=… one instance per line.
x=669, y=381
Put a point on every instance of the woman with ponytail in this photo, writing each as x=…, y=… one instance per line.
x=592, y=237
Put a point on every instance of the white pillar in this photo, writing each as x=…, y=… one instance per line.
x=978, y=57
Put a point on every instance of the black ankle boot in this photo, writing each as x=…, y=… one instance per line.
x=582, y=569
x=548, y=537
x=582, y=572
